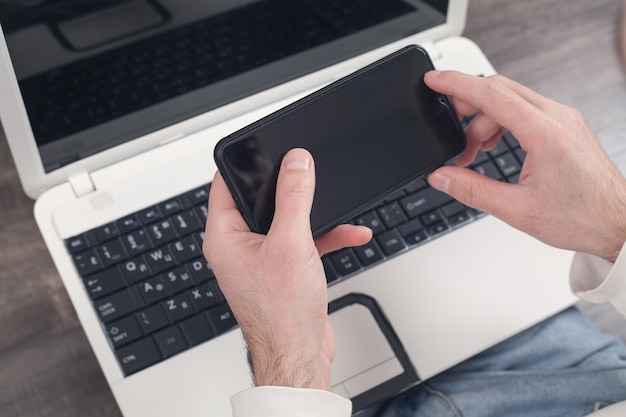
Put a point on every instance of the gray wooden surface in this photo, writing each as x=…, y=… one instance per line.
x=566, y=49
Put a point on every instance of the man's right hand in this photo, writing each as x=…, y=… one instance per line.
x=569, y=195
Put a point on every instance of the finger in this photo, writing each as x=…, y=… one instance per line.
x=343, y=236
x=223, y=213
x=223, y=218
x=492, y=142
x=481, y=130
x=477, y=191
x=534, y=98
x=462, y=108
x=294, y=193
x=492, y=97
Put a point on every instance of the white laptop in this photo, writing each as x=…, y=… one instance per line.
x=112, y=109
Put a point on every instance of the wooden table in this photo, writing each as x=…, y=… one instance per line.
x=566, y=49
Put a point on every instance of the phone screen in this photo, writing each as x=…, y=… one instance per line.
x=369, y=133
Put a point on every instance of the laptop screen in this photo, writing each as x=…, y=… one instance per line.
x=97, y=73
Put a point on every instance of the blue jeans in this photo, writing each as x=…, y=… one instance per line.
x=563, y=366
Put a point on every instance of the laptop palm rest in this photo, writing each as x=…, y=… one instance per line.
x=370, y=362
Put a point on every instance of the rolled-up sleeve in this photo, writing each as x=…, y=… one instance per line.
x=272, y=401
x=599, y=281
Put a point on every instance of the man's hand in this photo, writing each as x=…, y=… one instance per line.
x=275, y=284
x=569, y=193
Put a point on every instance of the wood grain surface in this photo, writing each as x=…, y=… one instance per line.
x=565, y=49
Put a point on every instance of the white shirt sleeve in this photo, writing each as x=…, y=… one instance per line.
x=599, y=281
x=271, y=401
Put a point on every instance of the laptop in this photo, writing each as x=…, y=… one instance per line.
x=112, y=109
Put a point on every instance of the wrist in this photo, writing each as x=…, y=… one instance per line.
x=290, y=367
x=615, y=226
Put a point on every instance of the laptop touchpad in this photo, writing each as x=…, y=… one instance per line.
x=369, y=356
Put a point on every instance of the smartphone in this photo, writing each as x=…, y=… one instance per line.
x=370, y=134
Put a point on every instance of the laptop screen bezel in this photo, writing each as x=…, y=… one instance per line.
x=26, y=155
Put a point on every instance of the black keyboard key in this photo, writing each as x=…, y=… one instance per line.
x=331, y=276
x=480, y=158
x=508, y=164
x=111, y=252
x=451, y=209
x=390, y=242
x=160, y=259
x=437, y=228
x=104, y=282
x=500, y=148
x=197, y=329
x=410, y=227
x=391, y=214
x=77, y=244
x=369, y=253
x=371, y=220
x=199, y=196
x=118, y=304
x=222, y=318
x=178, y=279
x=415, y=238
x=458, y=218
x=106, y=232
x=489, y=169
x=124, y=331
x=87, y=262
x=153, y=290
x=138, y=355
x=128, y=223
x=423, y=201
x=161, y=232
x=200, y=270
x=152, y=319
x=431, y=217
x=135, y=270
x=205, y=296
x=136, y=242
x=171, y=341
x=203, y=212
x=185, y=249
x=186, y=222
x=511, y=140
x=149, y=215
x=171, y=206
x=344, y=262
x=178, y=307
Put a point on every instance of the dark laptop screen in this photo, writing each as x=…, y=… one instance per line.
x=94, y=74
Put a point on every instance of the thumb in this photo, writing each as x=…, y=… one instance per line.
x=475, y=190
x=294, y=192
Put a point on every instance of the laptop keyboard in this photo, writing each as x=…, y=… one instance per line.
x=156, y=296
x=86, y=93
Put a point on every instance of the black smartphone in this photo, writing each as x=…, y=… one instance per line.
x=370, y=134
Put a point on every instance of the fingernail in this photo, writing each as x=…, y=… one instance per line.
x=433, y=73
x=297, y=159
x=439, y=182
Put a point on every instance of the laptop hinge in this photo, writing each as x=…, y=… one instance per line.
x=82, y=184
x=432, y=49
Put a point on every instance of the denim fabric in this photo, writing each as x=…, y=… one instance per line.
x=563, y=366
